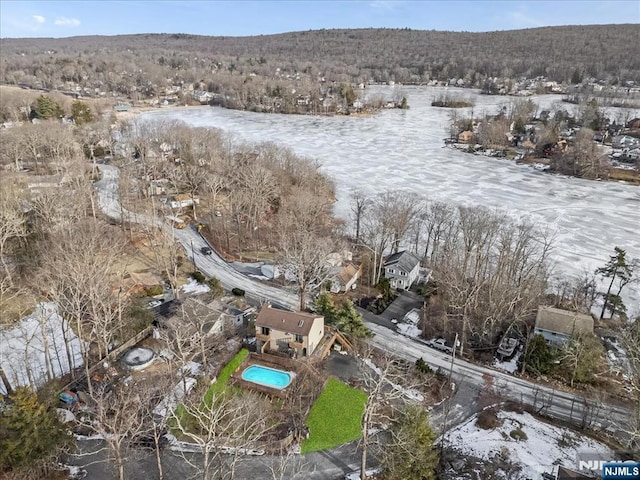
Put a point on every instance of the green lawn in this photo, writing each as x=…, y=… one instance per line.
x=225, y=375
x=218, y=387
x=335, y=417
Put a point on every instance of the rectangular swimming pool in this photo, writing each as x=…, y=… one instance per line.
x=268, y=377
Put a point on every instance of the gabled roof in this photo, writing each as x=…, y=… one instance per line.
x=297, y=323
x=563, y=321
x=346, y=273
x=404, y=260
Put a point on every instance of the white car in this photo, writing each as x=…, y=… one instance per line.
x=394, y=321
x=439, y=344
x=371, y=472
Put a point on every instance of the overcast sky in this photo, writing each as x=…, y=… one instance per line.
x=237, y=18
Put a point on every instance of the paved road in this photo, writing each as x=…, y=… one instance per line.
x=192, y=242
x=557, y=404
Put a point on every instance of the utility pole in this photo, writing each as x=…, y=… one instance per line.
x=193, y=257
x=446, y=412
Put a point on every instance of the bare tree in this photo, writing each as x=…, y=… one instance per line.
x=228, y=425
x=305, y=255
x=631, y=343
x=118, y=417
x=77, y=276
x=13, y=224
x=359, y=205
x=386, y=390
x=287, y=465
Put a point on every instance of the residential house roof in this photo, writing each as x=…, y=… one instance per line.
x=404, y=260
x=346, y=273
x=297, y=323
x=184, y=196
x=563, y=321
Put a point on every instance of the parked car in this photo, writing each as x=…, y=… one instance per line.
x=439, y=344
x=206, y=251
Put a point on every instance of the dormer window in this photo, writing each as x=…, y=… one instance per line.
x=300, y=323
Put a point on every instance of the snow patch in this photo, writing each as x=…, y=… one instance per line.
x=192, y=286
x=35, y=346
x=409, y=330
x=543, y=447
x=409, y=393
x=510, y=366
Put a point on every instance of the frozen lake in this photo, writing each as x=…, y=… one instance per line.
x=403, y=150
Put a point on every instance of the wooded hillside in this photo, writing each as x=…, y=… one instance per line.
x=605, y=52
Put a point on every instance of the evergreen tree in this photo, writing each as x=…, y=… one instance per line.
x=45, y=108
x=350, y=321
x=617, y=270
x=411, y=454
x=344, y=316
x=325, y=306
x=31, y=434
x=81, y=113
x=538, y=358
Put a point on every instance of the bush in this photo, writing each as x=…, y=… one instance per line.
x=216, y=287
x=422, y=366
x=199, y=277
x=487, y=419
x=154, y=290
x=518, y=434
x=238, y=292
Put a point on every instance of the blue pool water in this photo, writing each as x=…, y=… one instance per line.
x=267, y=376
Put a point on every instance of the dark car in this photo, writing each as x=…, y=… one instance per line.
x=206, y=251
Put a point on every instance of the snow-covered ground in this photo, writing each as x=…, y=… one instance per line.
x=409, y=330
x=35, y=347
x=510, y=366
x=192, y=286
x=403, y=150
x=544, y=447
x=409, y=393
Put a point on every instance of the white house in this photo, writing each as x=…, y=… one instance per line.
x=402, y=269
x=183, y=200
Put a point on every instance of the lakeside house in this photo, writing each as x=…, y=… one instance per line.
x=402, y=269
x=557, y=326
x=345, y=277
x=293, y=333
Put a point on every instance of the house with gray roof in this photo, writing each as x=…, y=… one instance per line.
x=402, y=269
x=557, y=326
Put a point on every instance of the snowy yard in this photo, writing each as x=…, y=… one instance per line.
x=40, y=346
x=192, y=286
x=522, y=440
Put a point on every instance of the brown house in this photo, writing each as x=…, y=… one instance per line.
x=295, y=333
x=345, y=278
